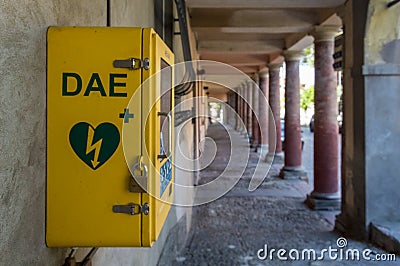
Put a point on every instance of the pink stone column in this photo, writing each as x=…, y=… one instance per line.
x=236, y=109
x=326, y=190
x=240, y=110
x=258, y=115
x=292, y=143
x=275, y=142
x=264, y=110
x=249, y=101
x=255, y=125
x=244, y=109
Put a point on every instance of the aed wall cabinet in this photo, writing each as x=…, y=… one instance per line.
x=96, y=134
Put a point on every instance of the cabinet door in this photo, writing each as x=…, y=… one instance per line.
x=158, y=103
x=87, y=108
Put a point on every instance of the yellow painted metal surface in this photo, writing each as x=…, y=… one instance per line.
x=87, y=111
x=160, y=206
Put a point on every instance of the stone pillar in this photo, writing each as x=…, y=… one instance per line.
x=229, y=105
x=245, y=110
x=232, y=116
x=275, y=142
x=234, y=110
x=264, y=110
x=326, y=185
x=249, y=101
x=258, y=115
x=292, y=143
x=239, y=117
x=255, y=125
x=245, y=95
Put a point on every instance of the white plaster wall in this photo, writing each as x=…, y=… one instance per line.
x=184, y=160
x=132, y=13
x=23, y=26
x=382, y=102
x=382, y=38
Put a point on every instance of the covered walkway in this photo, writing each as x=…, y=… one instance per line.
x=356, y=44
x=231, y=230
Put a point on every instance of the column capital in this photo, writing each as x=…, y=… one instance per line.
x=255, y=77
x=325, y=33
x=264, y=73
x=275, y=66
x=291, y=55
x=249, y=82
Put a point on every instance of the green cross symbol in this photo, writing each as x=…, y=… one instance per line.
x=126, y=115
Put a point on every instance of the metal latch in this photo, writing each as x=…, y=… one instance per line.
x=133, y=63
x=138, y=183
x=132, y=209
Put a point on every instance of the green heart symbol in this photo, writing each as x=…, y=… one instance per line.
x=94, y=146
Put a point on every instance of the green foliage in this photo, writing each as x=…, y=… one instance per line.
x=215, y=105
x=306, y=97
x=309, y=56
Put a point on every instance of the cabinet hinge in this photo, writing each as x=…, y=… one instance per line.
x=133, y=63
x=132, y=209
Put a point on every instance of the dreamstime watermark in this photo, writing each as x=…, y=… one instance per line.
x=340, y=253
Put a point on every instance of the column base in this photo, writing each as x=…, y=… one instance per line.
x=293, y=173
x=263, y=150
x=254, y=145
x=275, y=157
x=340, y=224
x=257, y=148
x=323, y=201
x=347, y=226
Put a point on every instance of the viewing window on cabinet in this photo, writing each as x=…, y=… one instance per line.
x=165, y=110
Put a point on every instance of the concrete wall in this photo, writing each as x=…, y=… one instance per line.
x=382, y=37
x=23, y=128
x=382, y=145
x=23, y=121
x=382, y=104
x=132, y=13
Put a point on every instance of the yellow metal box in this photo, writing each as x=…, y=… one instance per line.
x=106, y=117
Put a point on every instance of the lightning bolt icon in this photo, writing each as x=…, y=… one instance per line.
x=93, y=147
